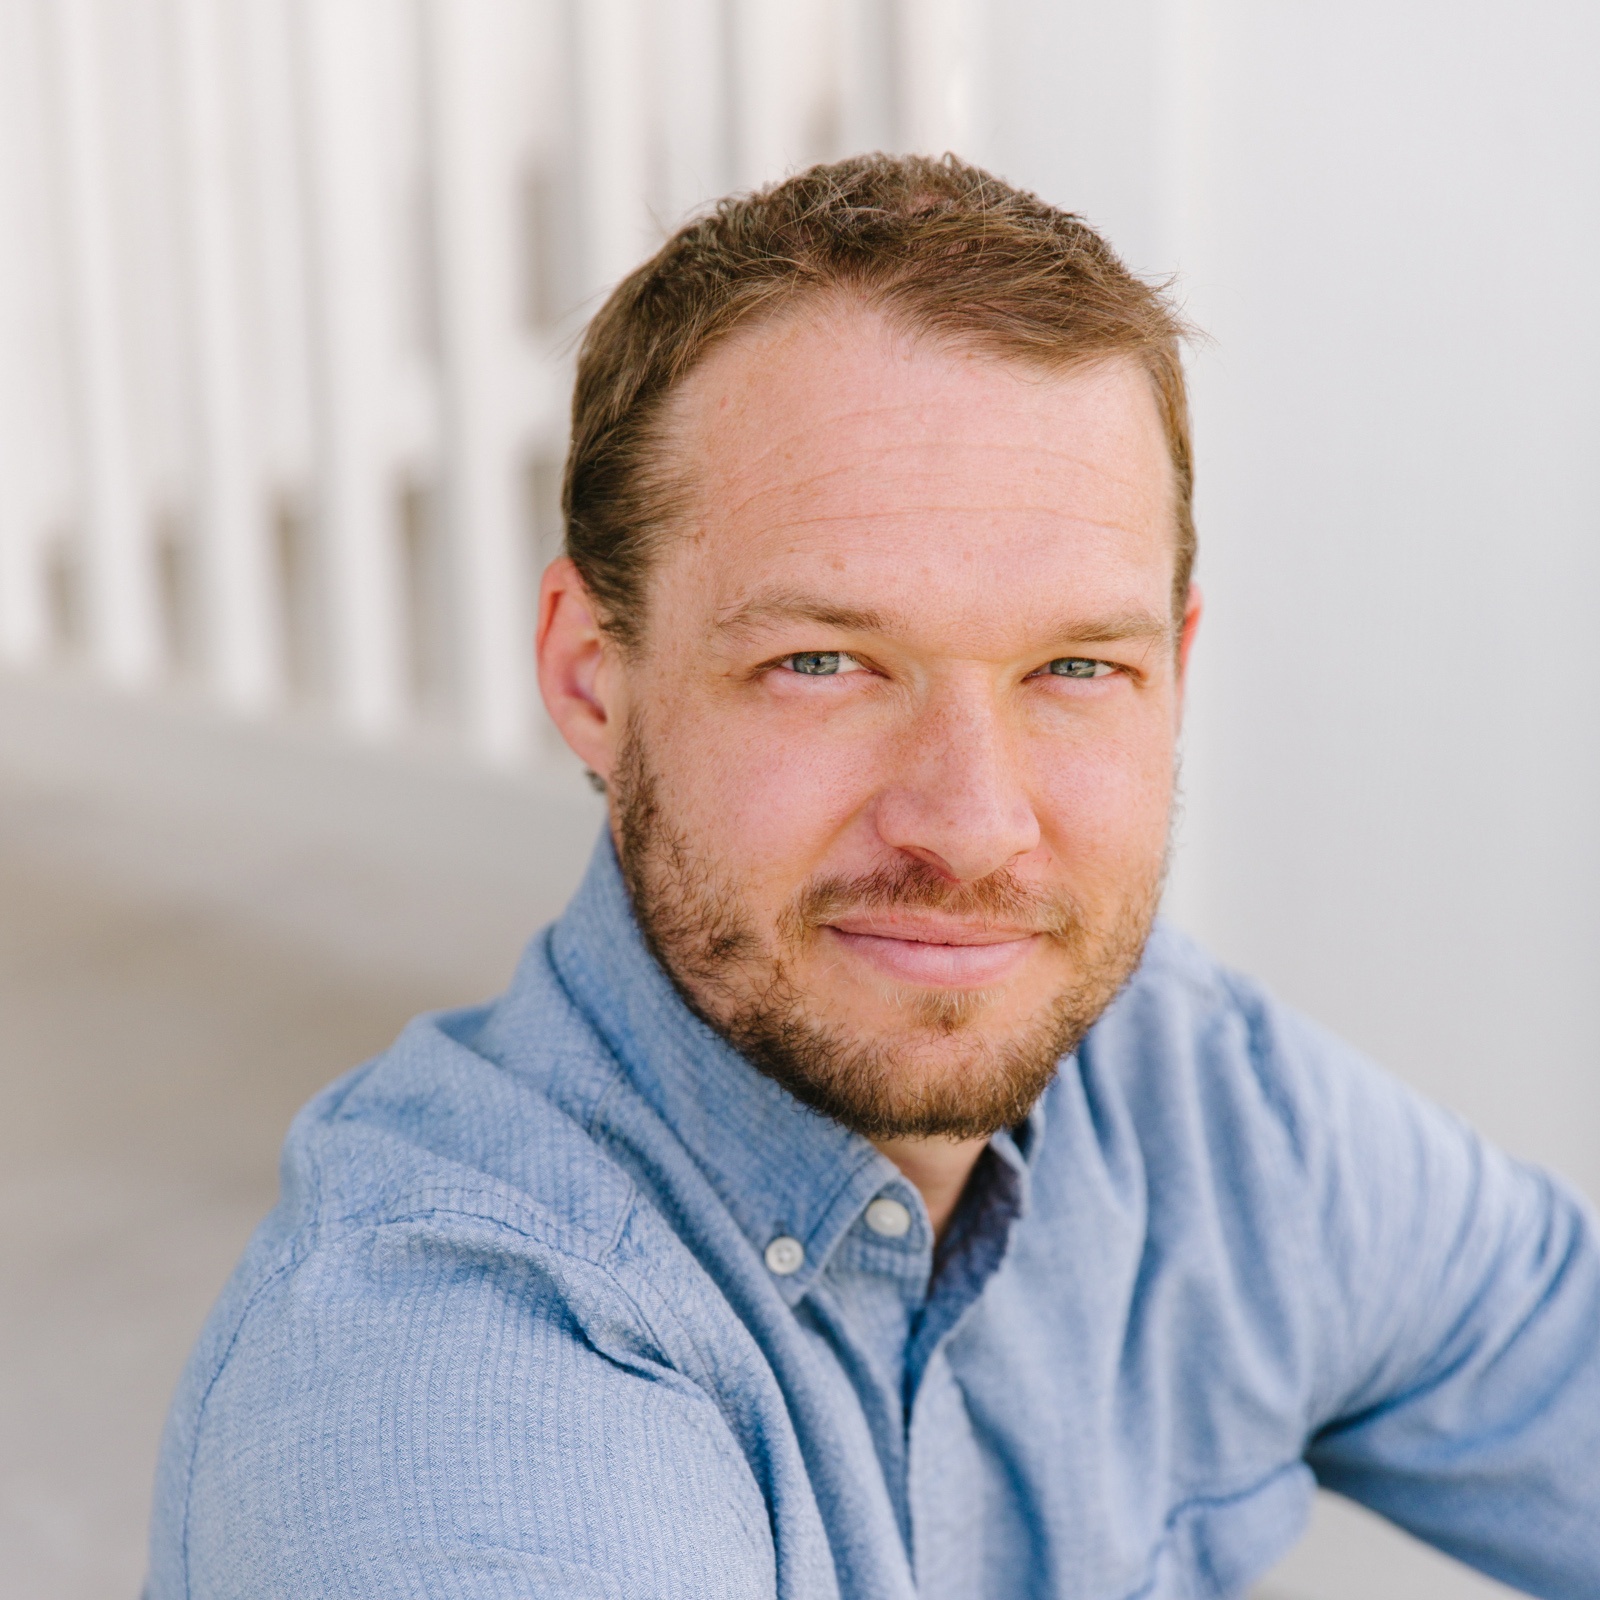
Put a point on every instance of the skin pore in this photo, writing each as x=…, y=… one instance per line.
x=891, y=769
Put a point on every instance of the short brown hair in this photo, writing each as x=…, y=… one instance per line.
x=939, y=246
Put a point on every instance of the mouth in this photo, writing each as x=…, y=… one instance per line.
x=933, y=952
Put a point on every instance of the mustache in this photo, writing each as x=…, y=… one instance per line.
x=1002, y=897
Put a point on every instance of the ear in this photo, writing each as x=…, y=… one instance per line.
x=578, y=675
x=1191, y=625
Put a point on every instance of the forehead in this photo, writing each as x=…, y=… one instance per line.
x=892, y=468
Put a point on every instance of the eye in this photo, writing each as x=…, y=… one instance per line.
x=1079, y=667
x=821, y=663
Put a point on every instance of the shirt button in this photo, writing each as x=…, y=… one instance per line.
x=784, y=1255
x=888, y=1218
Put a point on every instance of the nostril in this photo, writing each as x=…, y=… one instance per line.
x=960, y=842
x=930, y=858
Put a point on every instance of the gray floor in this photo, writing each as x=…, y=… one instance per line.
x=199, y=926
x=152, y=1059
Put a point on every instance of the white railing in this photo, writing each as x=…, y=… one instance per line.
x=288, y=290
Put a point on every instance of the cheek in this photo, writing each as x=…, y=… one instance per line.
x=1104, y=803
x=762, y=792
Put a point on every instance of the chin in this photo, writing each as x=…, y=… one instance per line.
x=908, y=1011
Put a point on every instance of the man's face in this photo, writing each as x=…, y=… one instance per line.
x=891, y=772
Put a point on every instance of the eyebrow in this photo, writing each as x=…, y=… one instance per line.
x=793, y=606
x=1117, y=627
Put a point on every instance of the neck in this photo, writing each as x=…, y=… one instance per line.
x=939, y=1168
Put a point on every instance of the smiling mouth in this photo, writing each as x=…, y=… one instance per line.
x=931, y=953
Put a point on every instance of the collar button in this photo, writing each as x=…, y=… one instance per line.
x=784, y=1256
x=888, y=1218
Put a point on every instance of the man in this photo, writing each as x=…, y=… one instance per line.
x=852, y=1196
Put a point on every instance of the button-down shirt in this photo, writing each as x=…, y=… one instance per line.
x=563, y=1298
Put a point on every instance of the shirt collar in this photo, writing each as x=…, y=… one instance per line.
x=782, y=1169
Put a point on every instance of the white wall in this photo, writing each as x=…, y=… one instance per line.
x=1396, y=767
x=1386, y=217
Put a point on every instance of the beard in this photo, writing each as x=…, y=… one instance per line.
x=939, y=1074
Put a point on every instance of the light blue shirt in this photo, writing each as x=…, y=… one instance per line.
x=563, y=1298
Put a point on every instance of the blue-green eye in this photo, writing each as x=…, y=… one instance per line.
x=1076, y=667
x=819, y=663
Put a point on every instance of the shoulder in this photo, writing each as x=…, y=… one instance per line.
x=440, y=1144
x=1300, y=1177
x=1243, y=1134
x=456, y=1269
x=1200, y=1052
x=438, y=1132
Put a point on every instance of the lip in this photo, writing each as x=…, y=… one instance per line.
x=932, y=952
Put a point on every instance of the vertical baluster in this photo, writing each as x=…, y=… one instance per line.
x=614, y=130
x=122, y=602
x=275, y=247
x=24, y=615
x=275, y=214
x=941, y=96
x=241, y=625
x=757, y=83
x=475, y=170
x=689, y=50
x=868, y=77
x=355, y=320
x=785, y=86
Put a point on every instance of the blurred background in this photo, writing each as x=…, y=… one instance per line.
x=288, y=297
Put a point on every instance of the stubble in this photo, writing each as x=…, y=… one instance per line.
x=942, y=1073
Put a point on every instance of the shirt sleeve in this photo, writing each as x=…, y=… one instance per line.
x=417, y=1409
x=1462, y=1313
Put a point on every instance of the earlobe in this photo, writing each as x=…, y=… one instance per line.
x=574, y=658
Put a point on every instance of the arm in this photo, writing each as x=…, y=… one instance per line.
x=418, y=1409
x=1463, y=1304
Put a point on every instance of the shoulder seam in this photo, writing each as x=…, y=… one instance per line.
x=1204, y=1502
x=294, y=1252
x=375, y=1219
x=303, y=1245
x=1209, y=984
x=295, y=1256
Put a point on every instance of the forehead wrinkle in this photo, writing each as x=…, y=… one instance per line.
x=695, y=401
x=700, y=407
x=1043, y=513
x=733, y=449
x=842, y=459
x=701, y=402
x=844, y=470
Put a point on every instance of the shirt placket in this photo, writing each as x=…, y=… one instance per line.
x=865, y=1306
x=945, y=1471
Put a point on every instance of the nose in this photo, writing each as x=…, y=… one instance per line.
x=956, y=800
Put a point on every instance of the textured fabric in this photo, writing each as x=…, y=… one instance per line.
x=511, y=1330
